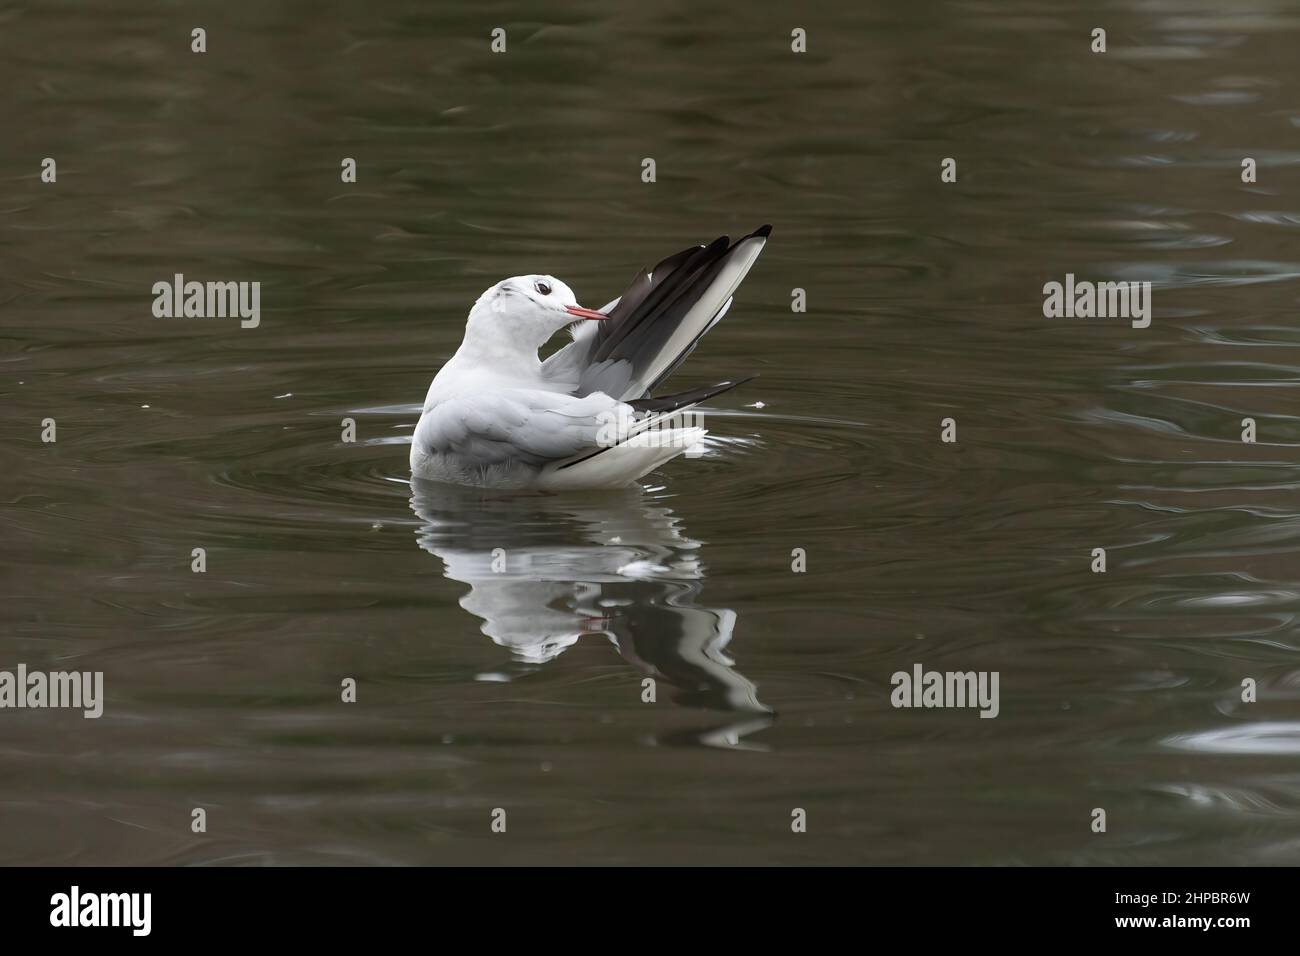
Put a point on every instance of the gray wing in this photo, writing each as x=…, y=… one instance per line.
x=657, y=322
x=662, y=316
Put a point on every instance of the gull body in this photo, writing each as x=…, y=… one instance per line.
x=497, y=415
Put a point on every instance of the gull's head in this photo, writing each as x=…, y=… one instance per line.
x=527, y=310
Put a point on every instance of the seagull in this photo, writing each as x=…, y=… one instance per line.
x=498, y=416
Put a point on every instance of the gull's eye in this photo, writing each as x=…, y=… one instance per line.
x=543, y=288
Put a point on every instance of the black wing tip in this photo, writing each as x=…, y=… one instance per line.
x=736, y=383
x=724, y=242
x=720, y=388
x=692, y=396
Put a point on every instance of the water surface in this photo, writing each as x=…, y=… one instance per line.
x=523, y=689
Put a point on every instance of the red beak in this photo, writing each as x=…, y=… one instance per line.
x=582, y=313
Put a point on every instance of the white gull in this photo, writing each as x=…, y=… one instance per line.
x=497, y=415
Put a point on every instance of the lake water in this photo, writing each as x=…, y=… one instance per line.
x=522, y=690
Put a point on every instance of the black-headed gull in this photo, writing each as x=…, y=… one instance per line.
x=496, y=415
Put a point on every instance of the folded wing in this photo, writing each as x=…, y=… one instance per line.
x=529, y=425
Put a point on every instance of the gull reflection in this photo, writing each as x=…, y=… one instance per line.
x=546, y=570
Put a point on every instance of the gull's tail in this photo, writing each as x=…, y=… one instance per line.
x=623, y=463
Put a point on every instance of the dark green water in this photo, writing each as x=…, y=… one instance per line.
x=523, y=690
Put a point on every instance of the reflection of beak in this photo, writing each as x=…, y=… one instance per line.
x=582, y=313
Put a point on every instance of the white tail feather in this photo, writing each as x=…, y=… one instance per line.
x=622, y=464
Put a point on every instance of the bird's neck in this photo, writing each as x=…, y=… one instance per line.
x=505, y=357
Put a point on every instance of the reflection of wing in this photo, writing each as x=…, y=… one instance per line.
x=544, y=571
x=684, y=645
